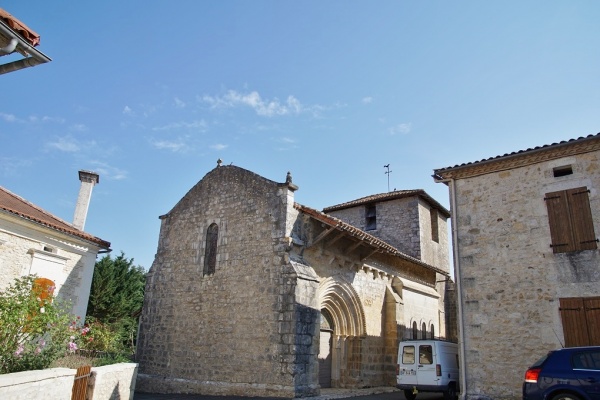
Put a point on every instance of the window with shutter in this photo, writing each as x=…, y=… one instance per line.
x=580, y=318
x=570, y=219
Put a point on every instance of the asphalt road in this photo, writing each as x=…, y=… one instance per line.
x=381, y=396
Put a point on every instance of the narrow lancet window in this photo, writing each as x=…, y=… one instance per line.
x=210, y=251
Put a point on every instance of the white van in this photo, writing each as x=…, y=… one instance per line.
x=428, y=365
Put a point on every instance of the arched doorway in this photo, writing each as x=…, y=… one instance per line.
x=325, y=349
x=343, y=314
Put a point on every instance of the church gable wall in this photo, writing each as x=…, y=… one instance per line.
x=220, y=333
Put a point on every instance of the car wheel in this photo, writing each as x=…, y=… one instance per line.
x=409, y=394
x=565, y=396
x=450, y=394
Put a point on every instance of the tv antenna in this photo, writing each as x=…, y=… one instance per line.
x=388, y=172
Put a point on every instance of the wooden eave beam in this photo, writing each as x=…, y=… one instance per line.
x=321, y=236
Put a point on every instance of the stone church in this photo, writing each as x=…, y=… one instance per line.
x=253, y=294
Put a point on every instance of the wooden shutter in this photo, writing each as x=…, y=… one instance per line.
x=581, y=321
x=574, y=322
x=581, y=218
x=592, y=315
x=570, y=219
x=560, y=222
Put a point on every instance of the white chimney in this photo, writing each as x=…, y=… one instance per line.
x=88, y=180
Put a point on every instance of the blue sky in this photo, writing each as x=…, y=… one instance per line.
x=150, y=94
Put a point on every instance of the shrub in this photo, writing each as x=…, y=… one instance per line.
x=35, y=329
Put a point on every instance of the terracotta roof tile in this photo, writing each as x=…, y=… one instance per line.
x=362, y=235
x=16, y=205
x=28, y=34
x=517, y=153
x=397, y=194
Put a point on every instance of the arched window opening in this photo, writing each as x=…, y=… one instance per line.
x=423, y=330
x=414, y=330
x=432, y=332
x=210, y=251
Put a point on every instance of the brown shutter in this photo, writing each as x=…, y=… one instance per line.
x=574, y=322
x=592, y=314
x=560, y=222
x=581, y=218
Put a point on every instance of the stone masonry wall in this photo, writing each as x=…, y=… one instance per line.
x=231, y=332
x=69, y=265
x=511, y=280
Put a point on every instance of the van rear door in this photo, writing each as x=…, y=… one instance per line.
x=407, y=366
x=426, y=373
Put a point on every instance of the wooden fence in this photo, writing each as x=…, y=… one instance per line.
x=81, y=382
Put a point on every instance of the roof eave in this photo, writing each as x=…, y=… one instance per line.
x=37, y=57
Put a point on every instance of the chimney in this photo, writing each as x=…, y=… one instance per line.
x=88, y=180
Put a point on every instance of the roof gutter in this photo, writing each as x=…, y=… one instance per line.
x=455, y=253
x=37, y=57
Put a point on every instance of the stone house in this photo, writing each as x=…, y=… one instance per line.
x=253, y=294
x=34, y=241
x=526, y=259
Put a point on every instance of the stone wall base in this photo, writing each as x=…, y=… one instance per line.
x=160, y=384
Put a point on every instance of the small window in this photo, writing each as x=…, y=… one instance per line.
x=435, y=233
x=408, y=355
x=425, y=354
x=423, y=330
x=370, y=218
x=562, y=171
x=570, y=219
x=415, y=330
x=210, y=251
x=432, y=332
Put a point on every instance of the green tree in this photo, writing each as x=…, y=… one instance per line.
x=116, y=295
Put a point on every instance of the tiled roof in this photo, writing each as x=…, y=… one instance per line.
x=16, y=205
x=397, y=194
x=28, y=34
x=519, y=153
x=361, y=235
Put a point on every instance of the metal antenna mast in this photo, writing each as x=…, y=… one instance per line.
x=388, y=174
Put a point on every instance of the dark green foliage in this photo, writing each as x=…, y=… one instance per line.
x=116, y=296
x=117, y=289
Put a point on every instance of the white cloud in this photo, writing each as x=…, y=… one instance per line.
x=367, y=100
x=201, y=125
x=179, y=103
x=79, y=127
x=262, y=107
x=8, y=117
x=219, y=146
x=67, y=144
x=401, y=129
x=107, y=171
x=287, y=140
x=174, y=146
x=128, y=111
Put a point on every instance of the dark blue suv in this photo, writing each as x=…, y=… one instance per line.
x=566, y=374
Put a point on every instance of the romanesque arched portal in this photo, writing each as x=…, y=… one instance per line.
x=345, y=318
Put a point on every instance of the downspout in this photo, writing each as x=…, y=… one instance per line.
x=37, y=57
x=456, y=259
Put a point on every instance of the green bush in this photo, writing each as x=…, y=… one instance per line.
x=35, y=329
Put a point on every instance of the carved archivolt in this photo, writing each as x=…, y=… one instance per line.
x=341, y=300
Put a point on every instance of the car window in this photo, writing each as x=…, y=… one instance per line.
x=425, y=354
x=540, y=361
x=586, y=360
x=408, y=355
